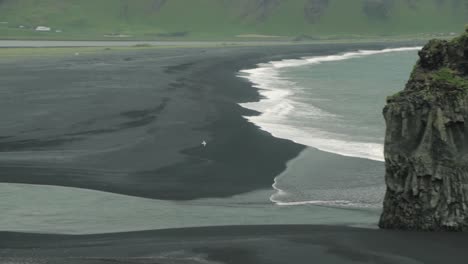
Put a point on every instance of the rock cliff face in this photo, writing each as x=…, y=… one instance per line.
x=426, y=143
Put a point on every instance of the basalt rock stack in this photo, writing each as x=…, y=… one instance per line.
x=426, y=143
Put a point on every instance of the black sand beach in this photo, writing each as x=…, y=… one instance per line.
x=236, y=244
x=133, y=122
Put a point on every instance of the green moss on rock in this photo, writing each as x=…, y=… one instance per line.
x=448, y=78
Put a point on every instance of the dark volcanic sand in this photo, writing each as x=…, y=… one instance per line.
x=132, y=123
x=239, y=245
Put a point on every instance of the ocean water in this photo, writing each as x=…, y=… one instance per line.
x=333, y=104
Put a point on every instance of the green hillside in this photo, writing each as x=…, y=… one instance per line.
x=228, y=19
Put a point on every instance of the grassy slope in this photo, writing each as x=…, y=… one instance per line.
x=220, y=19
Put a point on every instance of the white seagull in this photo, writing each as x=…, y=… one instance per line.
x=204, y=143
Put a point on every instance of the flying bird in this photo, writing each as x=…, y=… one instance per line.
x=204, y=143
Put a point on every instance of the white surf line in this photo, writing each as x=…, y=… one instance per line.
x=375, y=151
x=338, y=57
x=330, y=203
x=275, y=104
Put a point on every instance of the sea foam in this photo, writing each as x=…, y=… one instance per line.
x=276, y=107
x=276, y=104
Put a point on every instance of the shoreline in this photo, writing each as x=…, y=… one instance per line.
x=200, y=90
x=214, y=86
x=276, y=90
x=261, y=77
x=183, y=84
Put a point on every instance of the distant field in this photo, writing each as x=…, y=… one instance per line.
x=227, y=19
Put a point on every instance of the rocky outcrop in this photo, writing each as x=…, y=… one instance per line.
x=426, y=143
